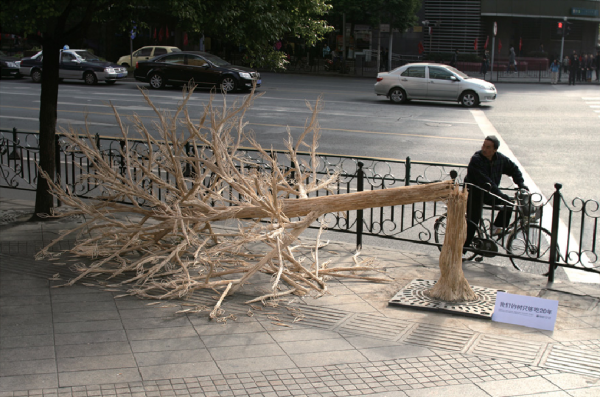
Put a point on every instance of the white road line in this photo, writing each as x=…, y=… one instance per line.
x=59, y=121
x=20, y=118
x=574, y=275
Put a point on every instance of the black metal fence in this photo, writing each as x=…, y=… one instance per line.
x=571, y=228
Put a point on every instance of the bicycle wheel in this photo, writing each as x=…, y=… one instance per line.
x=439, y=229
x=530, y=241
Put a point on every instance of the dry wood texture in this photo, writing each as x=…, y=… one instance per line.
x=169, y=249
x=452, y=285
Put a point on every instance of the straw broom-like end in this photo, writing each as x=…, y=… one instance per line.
x=452, y=285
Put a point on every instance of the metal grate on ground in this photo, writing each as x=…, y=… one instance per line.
x=573, y=360
x=508, y=348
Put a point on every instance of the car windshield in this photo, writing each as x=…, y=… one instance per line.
x=215, y=60
x=458, y=72
x=87, y=56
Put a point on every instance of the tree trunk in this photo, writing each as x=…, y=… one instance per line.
x=293, y=208
x=44, y=201
x=452, y=285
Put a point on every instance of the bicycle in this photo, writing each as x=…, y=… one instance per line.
x=526, y=238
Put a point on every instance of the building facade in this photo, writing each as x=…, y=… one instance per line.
x=531, y=26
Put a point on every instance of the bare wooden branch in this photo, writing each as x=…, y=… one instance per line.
x=168, y=249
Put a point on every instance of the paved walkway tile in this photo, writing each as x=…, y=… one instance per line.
x=243, y=364
x=81, y=341
x=513, y=387
x=169, y=371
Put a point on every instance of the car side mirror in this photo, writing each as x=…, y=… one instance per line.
x=453, y=78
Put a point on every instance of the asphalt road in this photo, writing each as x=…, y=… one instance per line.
x=552, y=131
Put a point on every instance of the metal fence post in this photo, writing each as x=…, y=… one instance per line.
x=122, y=165
x=407, y=172
x=14, y=155
x=188, y=168
x=57, y=171
x=554, y=232
x=359, y=213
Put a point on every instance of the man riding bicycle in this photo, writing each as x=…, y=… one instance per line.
x=483, y=177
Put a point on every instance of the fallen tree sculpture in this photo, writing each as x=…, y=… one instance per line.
x=168, y=249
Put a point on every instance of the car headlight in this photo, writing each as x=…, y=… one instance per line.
x=245, y=75
x=109, y=70
x=11, y=64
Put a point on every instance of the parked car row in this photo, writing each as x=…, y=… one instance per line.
x=174, y=67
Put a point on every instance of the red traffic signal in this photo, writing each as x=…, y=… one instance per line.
x=560, y=28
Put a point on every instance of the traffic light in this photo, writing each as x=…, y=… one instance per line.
x=560, y=28
x=567, y=28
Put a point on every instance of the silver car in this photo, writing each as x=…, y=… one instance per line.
x=435, y=82
x=75, y=64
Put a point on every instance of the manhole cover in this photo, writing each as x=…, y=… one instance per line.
x=413, y=295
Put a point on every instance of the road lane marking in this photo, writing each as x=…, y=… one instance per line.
x=60, y=121
x=574, y=275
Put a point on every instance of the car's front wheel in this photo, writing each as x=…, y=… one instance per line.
x=36, y=76
x=228, y=84
x=157, y=81
x=397, y=95
x=469, y=99
x=90, y=78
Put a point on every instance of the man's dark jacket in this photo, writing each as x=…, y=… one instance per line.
x=482, y=172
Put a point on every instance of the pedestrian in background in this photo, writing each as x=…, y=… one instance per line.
x=589, y=67
x=554, y=68
x=454, y=59
x=573, y=68
x=484, y=64
x=383, y=60
x=512, y=59
x=326, y=50
x=583, y=67
x=598, y=65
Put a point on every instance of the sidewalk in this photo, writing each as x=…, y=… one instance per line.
x=81, y=341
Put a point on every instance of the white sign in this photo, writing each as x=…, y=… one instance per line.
x=528, y=311
x=495, y=28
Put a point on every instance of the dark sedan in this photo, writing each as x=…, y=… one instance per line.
x=201, y=68
x=77, y=65
x=9, y=66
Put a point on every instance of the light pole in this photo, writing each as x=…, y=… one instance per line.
x=562, y=47
x=430, y=24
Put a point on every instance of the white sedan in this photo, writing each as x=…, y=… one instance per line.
x=434, y=82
